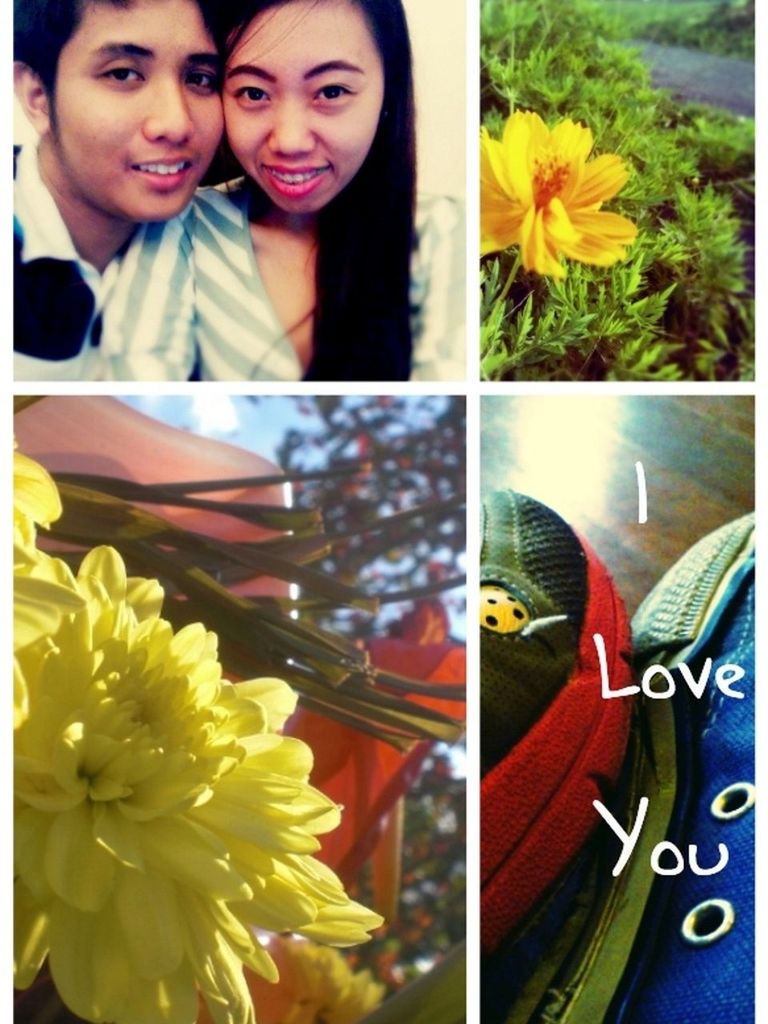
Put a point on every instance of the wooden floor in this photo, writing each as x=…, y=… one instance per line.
x=578, y=454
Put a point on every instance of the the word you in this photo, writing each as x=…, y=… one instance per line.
x=629, y=841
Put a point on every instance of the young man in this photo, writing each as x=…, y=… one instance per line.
x=123, y=95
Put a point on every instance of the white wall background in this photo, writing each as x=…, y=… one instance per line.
x=437, y=30
x=438, y=41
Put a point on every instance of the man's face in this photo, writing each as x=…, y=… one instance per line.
x=136, y=115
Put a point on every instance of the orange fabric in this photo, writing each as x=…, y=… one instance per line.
x=536, y=805
x=365, y=775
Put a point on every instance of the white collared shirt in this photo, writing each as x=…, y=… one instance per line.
x=45, y=235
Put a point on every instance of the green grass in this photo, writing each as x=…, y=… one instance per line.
x=715, y=26
x=634, y=15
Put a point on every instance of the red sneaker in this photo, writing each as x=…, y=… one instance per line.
x=550, y=744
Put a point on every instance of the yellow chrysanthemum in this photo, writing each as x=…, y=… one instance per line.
x=539, y=191
x=317, y=986
x=160, y=816
x=327, y=990
x=41, y=594
x=36, y=501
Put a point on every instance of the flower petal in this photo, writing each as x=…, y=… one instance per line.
x=107, y=566
x=193, y=856
x=496, y=170
x=40, y=600
x=499, y=225
x=79, y=870
x=169, y=1000
x=603, y=178
x=279, y=905
x=512, y=159
x=500, y=211
x=275, y=696
x=345, y=924
x=118, y=835
x=558, y=224
x=35, y=495
x=20, y=696
x=147, y=909
x=534, y=248
x=604, y=237
x=571, y=140
x=218, y=970
x=30, y=937
x=73, y=938
x=145, y=597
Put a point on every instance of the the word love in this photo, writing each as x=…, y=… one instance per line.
x=659, y=683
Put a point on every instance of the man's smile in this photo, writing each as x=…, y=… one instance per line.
x=163, y=167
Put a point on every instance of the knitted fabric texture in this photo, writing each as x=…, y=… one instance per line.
x=530, y=552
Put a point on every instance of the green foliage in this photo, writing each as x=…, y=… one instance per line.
x=714, y=26
x=398, y=528
x=679, y=307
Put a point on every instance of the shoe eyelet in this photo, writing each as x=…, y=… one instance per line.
x=733, y=801
x=501, y=611
x=708, y=922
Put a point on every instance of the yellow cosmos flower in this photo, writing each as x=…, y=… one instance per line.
x=539, y=191
x=160, y=816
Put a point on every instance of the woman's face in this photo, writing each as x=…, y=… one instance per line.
x=302, y=98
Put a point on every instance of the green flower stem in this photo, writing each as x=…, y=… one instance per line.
x=284, y=476
x=510, y=278
x=414, y=593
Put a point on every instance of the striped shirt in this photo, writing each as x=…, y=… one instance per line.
x=226, y=319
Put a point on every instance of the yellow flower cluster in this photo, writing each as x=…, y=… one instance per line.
x=327, y=989
x=36, y=501
x=539, y=191
x=160, y=814
x=41, y=594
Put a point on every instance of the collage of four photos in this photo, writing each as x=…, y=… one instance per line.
x=384, y=631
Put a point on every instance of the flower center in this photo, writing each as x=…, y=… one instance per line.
x=550, y=174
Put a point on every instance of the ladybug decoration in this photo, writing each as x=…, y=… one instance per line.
x=501, y=611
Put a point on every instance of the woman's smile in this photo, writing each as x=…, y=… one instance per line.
x=296, y=182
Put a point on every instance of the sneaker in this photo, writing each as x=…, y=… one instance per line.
x=550, y=744
x=694, y=954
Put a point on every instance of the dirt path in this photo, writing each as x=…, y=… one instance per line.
x=693, y=75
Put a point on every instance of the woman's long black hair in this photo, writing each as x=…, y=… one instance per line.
x=365, y=234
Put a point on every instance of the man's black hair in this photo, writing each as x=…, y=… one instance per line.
x=42, y=28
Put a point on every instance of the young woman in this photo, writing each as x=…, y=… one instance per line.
x=319, y=263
